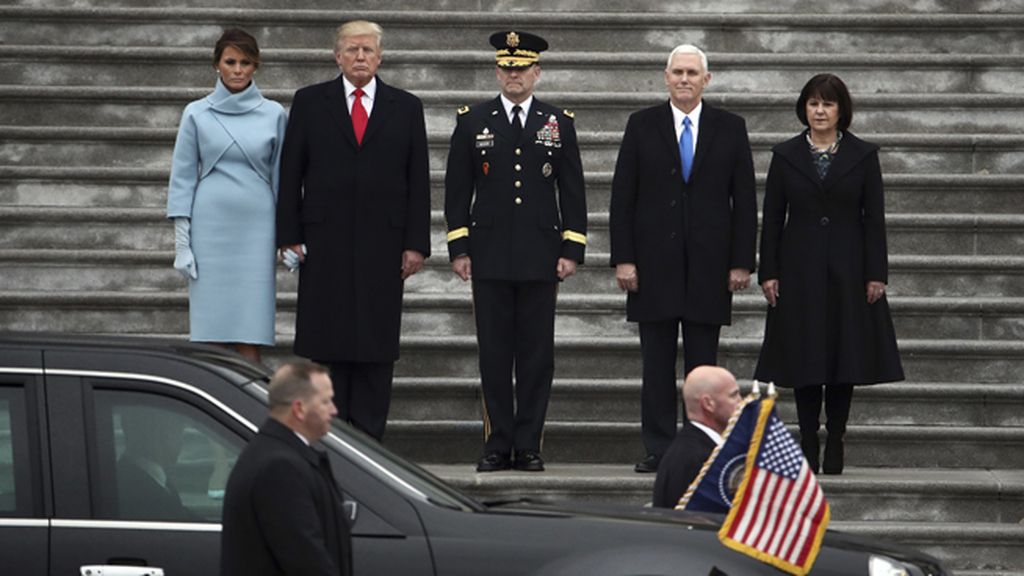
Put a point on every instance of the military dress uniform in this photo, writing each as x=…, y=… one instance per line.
x=515, y=204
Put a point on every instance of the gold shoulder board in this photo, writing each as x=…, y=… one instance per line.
x=463, y=110
x=569, y=113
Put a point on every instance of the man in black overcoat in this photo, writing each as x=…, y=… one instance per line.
x=354, y=209
x=517, y=222
x=283, y=512
x=710, y=397
x=683, y=225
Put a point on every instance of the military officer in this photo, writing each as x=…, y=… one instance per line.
x=517, y=224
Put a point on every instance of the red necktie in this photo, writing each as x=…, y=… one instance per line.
x=359, y=117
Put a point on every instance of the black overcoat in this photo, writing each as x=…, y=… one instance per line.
x=680, y=465
x=683, y=237
x=819, y=236
x=515, y=206
x=357, y=208
x=283, y=516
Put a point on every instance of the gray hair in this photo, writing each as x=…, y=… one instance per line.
x=688, y=49
x=291, y=382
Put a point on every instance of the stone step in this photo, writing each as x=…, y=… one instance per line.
x=69, y=146
x=461, y=441
x=450, y=314
x=65, y=228
x=720, y=7
x=589, y=31
x=859, y=494
x=147, y=187
x=150, y=270
x=618, y=401
x=595, y=110
x=563, y=70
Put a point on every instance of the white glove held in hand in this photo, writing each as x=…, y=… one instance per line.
x=291, y=259
x=184, y=261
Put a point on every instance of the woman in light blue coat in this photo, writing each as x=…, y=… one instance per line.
x=222, y=197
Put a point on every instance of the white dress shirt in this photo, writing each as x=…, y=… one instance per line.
x=525, y=105
x=369, y=93
x=694, y=117
x=711, y=433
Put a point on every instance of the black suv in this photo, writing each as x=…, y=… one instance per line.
x=73, y=409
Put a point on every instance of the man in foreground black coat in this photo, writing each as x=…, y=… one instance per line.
x=711, y=396
x=283, y=511
x=683, y=223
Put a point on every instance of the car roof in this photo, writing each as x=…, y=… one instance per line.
x=231, y=365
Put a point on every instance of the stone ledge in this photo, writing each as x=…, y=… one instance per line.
x=545, y=19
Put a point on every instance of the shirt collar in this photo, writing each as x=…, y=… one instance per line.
x=525, y=104
x=694, y=116
x=370, y=90
x=715, y=436
x=301, y=437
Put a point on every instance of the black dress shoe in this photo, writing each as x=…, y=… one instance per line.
x=493, y=461
x=529, y=461
x=648, y=465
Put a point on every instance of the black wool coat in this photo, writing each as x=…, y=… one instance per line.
x=680, y=465
x=683, y=237
x=283, y=516
x=823, y=241
x=357, y=208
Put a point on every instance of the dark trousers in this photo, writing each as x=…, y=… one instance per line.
x=362, y=393
x=659, y=394
x=515, y=329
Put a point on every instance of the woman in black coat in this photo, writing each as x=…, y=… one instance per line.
x=824, y=269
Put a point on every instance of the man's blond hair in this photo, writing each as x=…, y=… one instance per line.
x=358, y=28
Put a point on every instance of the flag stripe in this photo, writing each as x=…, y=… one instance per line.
x=793, y=492
x=789, y=536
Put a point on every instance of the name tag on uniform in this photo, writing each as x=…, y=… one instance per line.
x=485, y=139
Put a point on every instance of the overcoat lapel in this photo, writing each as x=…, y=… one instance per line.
x=666, y=127
x=338, y=106
x=795, y=152
x=708, y=124
x=383, y=110
x=851, y=152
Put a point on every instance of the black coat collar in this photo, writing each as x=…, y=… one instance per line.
x=383, y=109
x=852, y=151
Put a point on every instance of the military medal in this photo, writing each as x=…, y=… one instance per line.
x=549, y=135
x=546, y=169
x=486, y=167
x=485, y=139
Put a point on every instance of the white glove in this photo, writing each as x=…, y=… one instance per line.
x=184, y=261
x=291, y=259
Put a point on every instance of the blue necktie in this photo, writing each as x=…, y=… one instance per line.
x=686, y=148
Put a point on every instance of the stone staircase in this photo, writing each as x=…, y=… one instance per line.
x=90, y=97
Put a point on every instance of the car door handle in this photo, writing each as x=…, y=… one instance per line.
x=351, y=509
x=113, y=570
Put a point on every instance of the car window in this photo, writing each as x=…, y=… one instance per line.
x=15, y=469
x=160, y=458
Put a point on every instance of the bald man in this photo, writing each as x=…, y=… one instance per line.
x=711, y=396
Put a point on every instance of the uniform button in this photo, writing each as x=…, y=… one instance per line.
x=519, y=200
x=518, y=168
x=672, y=204
x=518, y=184
x=518, y=152
x=824, y=221
x=673, y=172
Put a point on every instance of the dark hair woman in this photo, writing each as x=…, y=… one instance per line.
x=222, y=197
x=824, y=269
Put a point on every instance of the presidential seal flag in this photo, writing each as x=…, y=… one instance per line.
x=777, y=513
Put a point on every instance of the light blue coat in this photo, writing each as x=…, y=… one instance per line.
x=224, y=177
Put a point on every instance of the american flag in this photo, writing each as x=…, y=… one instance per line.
x=779, y=514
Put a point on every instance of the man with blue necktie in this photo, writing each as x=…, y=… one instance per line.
x=683, y=226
